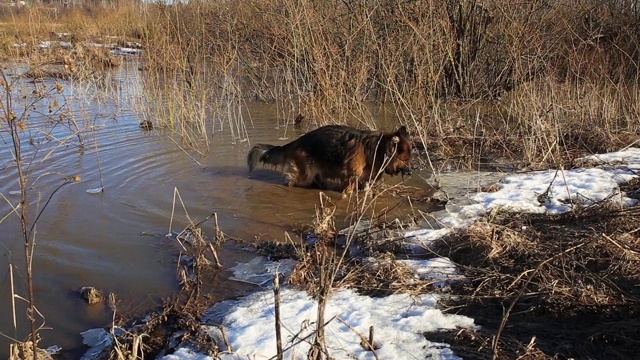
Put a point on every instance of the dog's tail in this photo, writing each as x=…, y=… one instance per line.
x=266, y=154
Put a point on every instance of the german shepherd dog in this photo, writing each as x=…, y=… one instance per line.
x=338, y=157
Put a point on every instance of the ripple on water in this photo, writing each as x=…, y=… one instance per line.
x=94, y=239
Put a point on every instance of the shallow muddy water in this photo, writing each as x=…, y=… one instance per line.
x=115, y=240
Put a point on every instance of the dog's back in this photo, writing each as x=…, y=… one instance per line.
x=332, y=145
x=338, y=157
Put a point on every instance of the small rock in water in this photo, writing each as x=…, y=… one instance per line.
x=91, y=295
x=440, y=197
x=146, y=125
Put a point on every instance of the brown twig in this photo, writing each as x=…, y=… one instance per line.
x=276, y=295
x=367, y=344
x=505, y=317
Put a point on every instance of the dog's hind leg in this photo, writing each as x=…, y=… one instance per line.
x=307, y=174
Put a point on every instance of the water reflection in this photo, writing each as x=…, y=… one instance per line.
x=100, y=239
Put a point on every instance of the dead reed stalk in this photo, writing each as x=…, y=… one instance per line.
x=473, y=86
x=278, y=325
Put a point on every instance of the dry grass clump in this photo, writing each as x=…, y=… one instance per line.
x=631, y=188
x=539, y=82
x=383, y=275
x=84, y=63
x=174, y=323
x=360, y=256
x=476, y=344
x=488, y=76
x=565, y=285
x=310, y=269
x=496, y=240
x=24, y=350
x=380, y=276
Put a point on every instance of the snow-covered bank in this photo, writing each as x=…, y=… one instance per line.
x=548, y=191
x=401, y=320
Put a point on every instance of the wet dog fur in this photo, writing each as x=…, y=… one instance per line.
x=338, y=157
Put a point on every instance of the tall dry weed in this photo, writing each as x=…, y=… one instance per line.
x=450, y=68
x=326, y=60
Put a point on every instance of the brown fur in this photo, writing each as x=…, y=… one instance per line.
x=338, y=157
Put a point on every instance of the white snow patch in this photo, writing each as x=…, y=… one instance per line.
x=440, y=270
x=559, y=191
x=399, y=322
x=559, y=188
x=629, y=157
x=126, y=51
x=187, y=354
x=259, y=271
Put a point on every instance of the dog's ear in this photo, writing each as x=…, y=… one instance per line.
x=396, y=136
x=402, y=132
x=393, y=144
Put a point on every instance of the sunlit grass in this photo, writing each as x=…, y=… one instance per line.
x=536, y=81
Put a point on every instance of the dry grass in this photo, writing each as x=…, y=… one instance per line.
x=548, y=286
x=536, y=82
x=527, y=81
x=37, y=23
x=83, y=64
x=382, y=276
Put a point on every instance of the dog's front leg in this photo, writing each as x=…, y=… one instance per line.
x=352, y=186
x=292, y=174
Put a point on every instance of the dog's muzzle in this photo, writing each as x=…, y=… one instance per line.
x=404, y=172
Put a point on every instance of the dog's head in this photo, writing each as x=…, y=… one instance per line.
x=398, y=151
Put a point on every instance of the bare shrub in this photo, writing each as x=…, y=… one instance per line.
x=472, y=78
x=564, y=284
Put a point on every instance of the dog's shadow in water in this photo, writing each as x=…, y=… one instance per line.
x=260, y=174
x=266, y=175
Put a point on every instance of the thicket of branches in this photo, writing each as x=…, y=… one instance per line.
x=420, y=48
